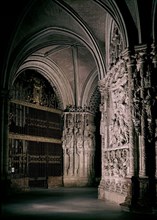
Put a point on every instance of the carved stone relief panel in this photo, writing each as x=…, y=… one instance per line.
x=116, y=163
x=78, y=147
x=115, y=185
x=115, y=107
x=128, y=127
x=115, y=44
x=115, y=129
x=118, y=116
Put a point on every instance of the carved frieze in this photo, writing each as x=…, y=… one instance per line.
x=115, y=106
x=116, y=162
x=116, y=185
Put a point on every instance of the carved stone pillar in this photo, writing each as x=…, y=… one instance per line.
x=154, y=82
x=154, y=62
x=142, y=185
x=146, y=64
x=4, y=98
x=134, y=127
x=140, y=130
x=141, y=63
x=131, y=66
x=78, y=148
x=114, y=130
x=104, y=123
x=104, y=134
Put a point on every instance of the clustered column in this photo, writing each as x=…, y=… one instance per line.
x=130, y=68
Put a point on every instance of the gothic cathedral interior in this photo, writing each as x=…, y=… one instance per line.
x=78, y=92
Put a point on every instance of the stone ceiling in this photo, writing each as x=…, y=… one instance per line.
x=66, y=37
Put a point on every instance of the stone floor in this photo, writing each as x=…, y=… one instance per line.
x=63, y=203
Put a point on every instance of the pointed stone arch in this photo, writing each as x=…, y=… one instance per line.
x=54, y=75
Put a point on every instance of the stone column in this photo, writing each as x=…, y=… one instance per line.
x=154, y=62
x=142, y=142
x=104, y=135
x=146, y=142
x=130, y=68
x=130, y=63
x=5, y=180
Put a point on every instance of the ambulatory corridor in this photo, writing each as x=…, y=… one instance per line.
x=64, y=203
